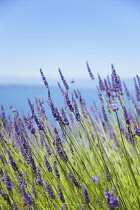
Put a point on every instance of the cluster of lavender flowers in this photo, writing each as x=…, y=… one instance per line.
x=68, y=162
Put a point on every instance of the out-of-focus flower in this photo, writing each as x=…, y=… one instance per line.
x=95, y=178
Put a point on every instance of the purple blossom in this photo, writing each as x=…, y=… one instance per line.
x=38, y=176
x=61, y=89
x=76, y=111
x=47, y=149
x=74, y=180
x=101, y=84
x=65, y=120
x=14, y=206
x=126, y=90
x=126, y=117
x=28, y=199
x=63, y=79
x=107, y=174
x=85, y=194
x=31, y=107
x=34, y=190
x=111, y=198
x=68, y=102
x=114, y=107
x=61, y=196
x=50, y=191
x=39, y=125
x=12, y=162
x=89, y=71
x=95, y=178
x=56, y=170
x=47, y=164
x=5, y=196
x=7, y=180
x=107, y=88
x=104, y=114
x=44, y=79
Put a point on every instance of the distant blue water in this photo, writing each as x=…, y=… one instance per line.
x=17, y=97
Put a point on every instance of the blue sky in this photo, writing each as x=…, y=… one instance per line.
x=52, y=34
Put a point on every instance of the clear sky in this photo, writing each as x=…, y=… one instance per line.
x=52, y=34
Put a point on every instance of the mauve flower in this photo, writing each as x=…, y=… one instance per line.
x=5, y=197
x=89, y=71
x=65, y=120
x=76, y=111
x=49, y=168
x=34, y=190
x=101, y=84
x=38, y=176
x=85, y=194
x=28, y=199
x=107, y=174
x=61, y=89
x=68, y=102
x=39, y=125
x=95, y=178
x=47, y=149
x=50, y=191
x=74, y=180
x=14, y=206
x=126, y=91
x=104, y=114
x=56, y=170
x=44, y=79
x=112, y=200
x=63, y=79
x=126, y=117
x=12, y=162
x=61, y=196
x=31, y=107
x=83, y=207
x=107, y=88
x=114, y=107
x=7, y=180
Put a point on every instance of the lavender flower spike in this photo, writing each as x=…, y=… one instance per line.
x=85, y=194
x=89, y=71
x=44, y=79
x=7, y=180
x=12, y=162
x=50, y=191
x=74, y=180
x=61, y=196
x=63, y=79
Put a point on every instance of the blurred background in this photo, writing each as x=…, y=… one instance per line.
x=65, y=34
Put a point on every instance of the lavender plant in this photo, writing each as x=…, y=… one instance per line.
x=72, y=165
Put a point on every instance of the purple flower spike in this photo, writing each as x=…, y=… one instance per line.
x=89, y=71
x=63, y=79
x=44, y=79
x=14, y=206
x=50, y=191
x=12, y=162
x=111, y=199
x=95, y=178
x=49, y=168
x=7, y=180
x=56, y=170
x=114, y=107
x=61, y=196
x=28, y=199
x=74, y=180
x=85, y=194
